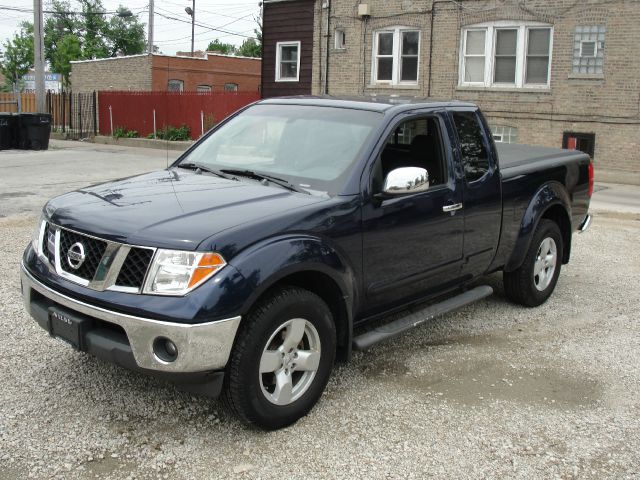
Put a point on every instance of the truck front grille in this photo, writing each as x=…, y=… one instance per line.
x=134, y=268
x=93, y=251
x=97, y=269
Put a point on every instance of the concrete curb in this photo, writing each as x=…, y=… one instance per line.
x=129, y=142
x=142, y=143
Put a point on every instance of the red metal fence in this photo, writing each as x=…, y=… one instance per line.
x=137, y=110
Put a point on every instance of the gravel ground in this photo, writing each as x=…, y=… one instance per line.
x=492, y=391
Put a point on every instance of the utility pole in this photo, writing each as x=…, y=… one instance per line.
x=38, y=55
x=192, y=11
x=150, y=26
x=193, y=23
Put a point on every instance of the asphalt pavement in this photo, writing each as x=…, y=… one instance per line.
x=28, y=179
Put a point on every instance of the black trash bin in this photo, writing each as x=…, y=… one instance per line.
x=33, y=131
x=8, y=131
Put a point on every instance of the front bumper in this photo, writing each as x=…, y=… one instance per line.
x=201, y=347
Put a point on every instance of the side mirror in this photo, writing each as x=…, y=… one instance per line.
x=402, y=181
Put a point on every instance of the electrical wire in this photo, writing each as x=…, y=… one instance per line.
x=214, y=29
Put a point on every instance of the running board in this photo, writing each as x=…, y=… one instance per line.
x=395, y=328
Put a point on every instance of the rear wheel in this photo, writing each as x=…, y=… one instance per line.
x=282, y=359
x=533, y=283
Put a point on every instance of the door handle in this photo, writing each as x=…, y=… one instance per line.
x=452, y=208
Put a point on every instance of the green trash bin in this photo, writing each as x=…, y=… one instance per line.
x=8, y=131
x=33, y=131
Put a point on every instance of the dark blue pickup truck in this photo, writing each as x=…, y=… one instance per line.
x=290, y=234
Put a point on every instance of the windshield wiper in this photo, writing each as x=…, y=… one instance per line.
x=203, y=168
x=262, y=176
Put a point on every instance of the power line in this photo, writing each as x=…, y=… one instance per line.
x=59, y=12
x=205, y=26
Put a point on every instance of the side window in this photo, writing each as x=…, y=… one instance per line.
x=472, y=146
x=414, y=143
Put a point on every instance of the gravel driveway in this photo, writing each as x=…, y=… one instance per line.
x=491, y=391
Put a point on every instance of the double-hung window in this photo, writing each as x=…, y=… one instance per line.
x=504, y=54
x=288, y=62
x=396, y=56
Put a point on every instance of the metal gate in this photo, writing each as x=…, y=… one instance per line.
x=74, y=114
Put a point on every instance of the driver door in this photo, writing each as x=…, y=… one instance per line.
x=412, y=243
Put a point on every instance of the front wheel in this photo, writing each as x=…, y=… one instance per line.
x=533, y=283
x=282, y=359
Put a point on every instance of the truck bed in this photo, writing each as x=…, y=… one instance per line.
x=517, y=159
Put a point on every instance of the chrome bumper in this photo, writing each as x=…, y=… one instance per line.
x=201, y=347
x=585, y=224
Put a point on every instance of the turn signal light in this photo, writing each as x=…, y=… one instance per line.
x=207, y=266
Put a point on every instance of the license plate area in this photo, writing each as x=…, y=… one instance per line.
x=69, y=326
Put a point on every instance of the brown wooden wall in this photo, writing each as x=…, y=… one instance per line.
x=287, y=21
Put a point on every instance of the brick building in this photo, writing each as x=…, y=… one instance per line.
x=546, y=72
x=205, y=72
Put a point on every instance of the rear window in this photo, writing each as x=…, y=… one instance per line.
x=472, y=146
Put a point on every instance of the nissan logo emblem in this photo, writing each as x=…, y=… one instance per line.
x=75, y=255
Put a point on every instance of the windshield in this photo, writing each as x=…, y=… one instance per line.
x=309, y=146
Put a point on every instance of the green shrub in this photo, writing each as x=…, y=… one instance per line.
x=173, y=134
x=119, y=132
x=122, y=132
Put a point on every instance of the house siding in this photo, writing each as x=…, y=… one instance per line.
x=287, y=21
x=605, y=105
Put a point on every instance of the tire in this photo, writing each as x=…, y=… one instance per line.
x=533, y=283
x=282, y=359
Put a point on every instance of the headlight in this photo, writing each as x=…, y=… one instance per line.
x=36, y=237
x=175, y=272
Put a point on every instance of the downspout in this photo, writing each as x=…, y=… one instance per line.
x=262, y=62
x=433, y=14
x=326, y=61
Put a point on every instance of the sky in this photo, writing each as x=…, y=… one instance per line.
x=170, y=35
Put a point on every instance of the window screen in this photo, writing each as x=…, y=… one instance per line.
x=472, y=147
x=506, y=48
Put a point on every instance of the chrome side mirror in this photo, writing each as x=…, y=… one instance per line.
x=401, y=181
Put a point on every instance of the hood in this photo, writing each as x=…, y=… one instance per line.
x=171, y=208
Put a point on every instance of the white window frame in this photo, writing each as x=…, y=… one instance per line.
x=279, y=46
x=230, y=87
x=491, y=29
x=396, y=56
x=204, y=88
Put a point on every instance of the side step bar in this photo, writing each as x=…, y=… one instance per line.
x=395, y=328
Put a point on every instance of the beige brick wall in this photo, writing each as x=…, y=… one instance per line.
x=120, y=73
x=608, y=106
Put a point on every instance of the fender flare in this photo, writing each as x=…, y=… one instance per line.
x=266, y=263
x=547, y=196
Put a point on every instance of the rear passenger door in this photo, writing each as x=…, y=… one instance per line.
x=482, y=193
x=411, y=246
